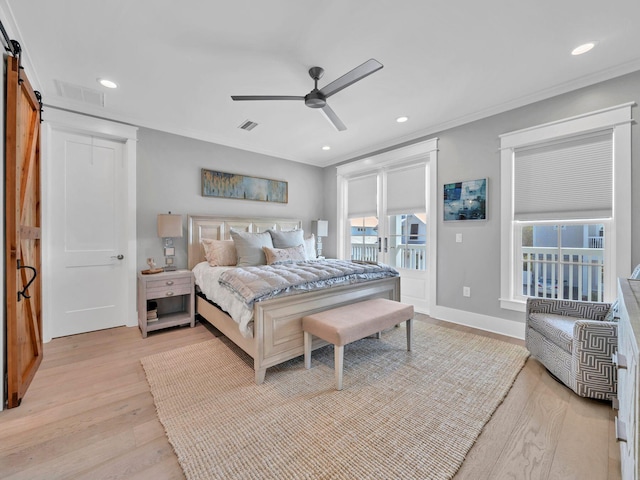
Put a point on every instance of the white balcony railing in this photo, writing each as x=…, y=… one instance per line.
x=413, y=257
x=567, y=273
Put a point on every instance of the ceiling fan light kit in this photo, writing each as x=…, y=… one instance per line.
x=317, y=98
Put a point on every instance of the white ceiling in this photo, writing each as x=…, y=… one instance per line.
x=445, y=62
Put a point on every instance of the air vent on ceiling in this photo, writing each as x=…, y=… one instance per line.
x=79, y=94
x=248, y=125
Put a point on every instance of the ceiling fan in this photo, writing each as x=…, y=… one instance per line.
x=318, y=98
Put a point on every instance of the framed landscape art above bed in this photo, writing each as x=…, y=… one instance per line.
x=232, y=185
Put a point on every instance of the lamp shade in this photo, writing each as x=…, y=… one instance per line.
x=320, y=227
x=169, y=225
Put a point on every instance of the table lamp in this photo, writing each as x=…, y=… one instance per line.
x=169, y=227
x=320, y=228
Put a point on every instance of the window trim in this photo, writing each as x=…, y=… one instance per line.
x=618, y=254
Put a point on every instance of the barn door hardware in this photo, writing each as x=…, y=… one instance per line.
x=23, y=293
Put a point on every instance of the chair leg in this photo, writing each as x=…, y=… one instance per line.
x=338, y=352
x=307, y=350
x=409, y=329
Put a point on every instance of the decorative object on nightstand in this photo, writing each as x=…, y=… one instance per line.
x=321, y=229
x=152, y=267
x=169, y=227
x=165, y=300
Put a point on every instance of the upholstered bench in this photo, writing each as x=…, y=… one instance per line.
x=347, y=324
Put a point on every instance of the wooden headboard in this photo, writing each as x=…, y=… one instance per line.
x=219, y=228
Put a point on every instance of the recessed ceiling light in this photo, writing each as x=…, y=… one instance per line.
x=402, y=119
x=584, y=48
x=326, y=147
x=107, y=83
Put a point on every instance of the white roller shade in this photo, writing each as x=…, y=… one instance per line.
x=363, y=197
x=566, y=180
x=406, y=190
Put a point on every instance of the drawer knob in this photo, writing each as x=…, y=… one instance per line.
x=169, y=282
x=619, y=360
x=168, y=294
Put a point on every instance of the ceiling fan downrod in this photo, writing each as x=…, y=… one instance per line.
x=315, y=99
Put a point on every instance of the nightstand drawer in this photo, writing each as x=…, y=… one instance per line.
x=169, y=290
x=184, y=280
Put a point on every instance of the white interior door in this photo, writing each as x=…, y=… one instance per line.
x=88, y=234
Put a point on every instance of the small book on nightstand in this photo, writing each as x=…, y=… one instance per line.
x=152, y=311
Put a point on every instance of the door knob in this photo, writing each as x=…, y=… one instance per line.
x=119, y=257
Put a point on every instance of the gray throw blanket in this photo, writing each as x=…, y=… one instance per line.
x=253, y=284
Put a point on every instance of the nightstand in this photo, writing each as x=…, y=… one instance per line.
x=172, y=295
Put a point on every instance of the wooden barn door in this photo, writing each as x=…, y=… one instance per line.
x=22, y=217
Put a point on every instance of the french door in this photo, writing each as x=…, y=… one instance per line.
x=386, y=205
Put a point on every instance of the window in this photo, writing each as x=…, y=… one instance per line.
x=407, y=241
x=564, y=190
x=364, y=239
x=563, y=261
x=413, y=235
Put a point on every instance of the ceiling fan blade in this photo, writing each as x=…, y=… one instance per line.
x=349, y=78
x=265, y=97
x=333, y=118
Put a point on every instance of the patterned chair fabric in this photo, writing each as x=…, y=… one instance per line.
x=575, y=343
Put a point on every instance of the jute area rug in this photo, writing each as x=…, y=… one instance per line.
x=408, y=415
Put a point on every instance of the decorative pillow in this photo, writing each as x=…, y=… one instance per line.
x=249, y=247
x=219, y=253
x=310, y=247
x=285, y=255
x=286, y=239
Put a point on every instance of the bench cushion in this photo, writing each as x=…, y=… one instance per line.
x=347, y=324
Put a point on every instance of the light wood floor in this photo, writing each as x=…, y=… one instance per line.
x=89, y=414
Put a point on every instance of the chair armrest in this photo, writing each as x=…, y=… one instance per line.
x=570, y=308
x=587, y=333
x=594, y=342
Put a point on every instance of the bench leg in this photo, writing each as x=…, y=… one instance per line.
x=409, y=326
x=307, y=350
x=338, y=353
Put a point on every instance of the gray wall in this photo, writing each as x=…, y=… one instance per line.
x=472, y=151
x=168, y=179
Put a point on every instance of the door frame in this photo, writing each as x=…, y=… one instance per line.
x=55, y=119
x=427, y=151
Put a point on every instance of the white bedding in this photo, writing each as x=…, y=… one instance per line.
x=207, y=279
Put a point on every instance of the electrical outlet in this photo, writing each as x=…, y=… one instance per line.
x=458, y=238
x=466, y=291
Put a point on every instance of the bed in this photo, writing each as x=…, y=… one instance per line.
x=277, y=322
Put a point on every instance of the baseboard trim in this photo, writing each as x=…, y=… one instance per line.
x=510, y=328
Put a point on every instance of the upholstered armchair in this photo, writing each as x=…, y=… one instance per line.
x=574, y=340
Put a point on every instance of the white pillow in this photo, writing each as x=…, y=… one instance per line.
x=249, y=247
x=285, y=255
x=310, y=247
x=219, y=253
